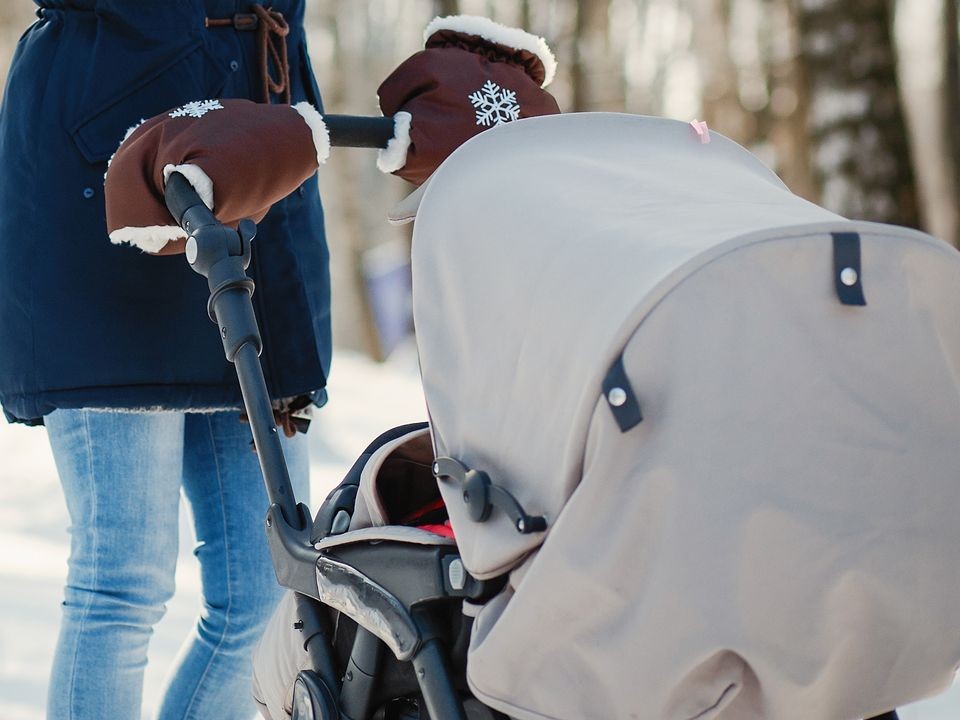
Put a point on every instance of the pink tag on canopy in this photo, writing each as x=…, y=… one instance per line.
x=703, y=132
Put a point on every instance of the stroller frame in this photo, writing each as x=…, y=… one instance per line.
x=390, y=590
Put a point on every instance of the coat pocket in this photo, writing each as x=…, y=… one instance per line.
x=188, y=75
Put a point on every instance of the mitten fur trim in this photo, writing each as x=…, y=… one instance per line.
x=200, y=181
x=150, y=239
x=153, y=239
x=394, y=156
x=501, y=34
x=318, y=128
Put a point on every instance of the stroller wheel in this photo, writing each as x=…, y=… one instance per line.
x=312, y=699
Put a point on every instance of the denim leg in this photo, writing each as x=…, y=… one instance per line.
x=224, y=488
x=121, y=476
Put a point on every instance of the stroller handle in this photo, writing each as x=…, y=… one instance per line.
x=222, y=255
x=180, y=196
x=359, y=130
x=345, y=131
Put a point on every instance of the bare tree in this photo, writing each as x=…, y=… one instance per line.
x=446, y=7
x=354, y=47
x=722, y=108
x=597, y=73
x=859, y=147
x=15, y=17
x=789, y=102
x=951, y=28
x=525, y=17
x=928, y=86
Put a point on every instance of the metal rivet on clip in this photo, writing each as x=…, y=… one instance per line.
x=848, y=276
x=617, y=396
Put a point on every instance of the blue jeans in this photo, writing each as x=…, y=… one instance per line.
x=122, y=474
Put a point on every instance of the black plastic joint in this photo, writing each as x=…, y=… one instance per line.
x=196, y=217
x=209, y=244
x=480, y=496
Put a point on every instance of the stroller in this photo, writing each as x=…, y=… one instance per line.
x=692, y=453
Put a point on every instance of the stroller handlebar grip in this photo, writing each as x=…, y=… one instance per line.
x=345, y=131
x=359, y=131
x=180, y=197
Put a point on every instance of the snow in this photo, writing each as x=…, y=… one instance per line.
x=366, y=398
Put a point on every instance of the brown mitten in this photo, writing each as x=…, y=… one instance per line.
x=472, y=75
x=240, y=157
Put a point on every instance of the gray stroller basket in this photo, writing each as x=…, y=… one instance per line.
x=644, y=526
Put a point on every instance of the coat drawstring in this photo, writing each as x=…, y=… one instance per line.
x=272, y=30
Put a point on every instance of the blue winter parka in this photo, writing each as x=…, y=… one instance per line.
x=85, y=323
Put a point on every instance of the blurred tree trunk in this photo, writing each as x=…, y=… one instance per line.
x=858, y=138
x=446, y=7
x=15, y=17
x=952, y=101
x=353, y=326
x=756, y=95
x=354, y=46
x=926, y=45
x=721, y=98
x=789, y=103
x=597, y=75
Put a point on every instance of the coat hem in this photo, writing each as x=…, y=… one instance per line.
x=29, y=409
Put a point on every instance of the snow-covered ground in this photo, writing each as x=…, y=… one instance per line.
x=366, y=398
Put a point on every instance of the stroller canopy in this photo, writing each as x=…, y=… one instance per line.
x=777, y=536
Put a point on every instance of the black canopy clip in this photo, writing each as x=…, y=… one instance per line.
x=621, y=398
x=847, y=273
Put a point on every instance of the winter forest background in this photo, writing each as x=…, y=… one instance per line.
x=854, y=103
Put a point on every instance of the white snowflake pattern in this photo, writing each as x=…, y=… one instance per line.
x=495, y=105
x=197, y=108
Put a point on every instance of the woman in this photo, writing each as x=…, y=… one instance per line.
x=96, y=337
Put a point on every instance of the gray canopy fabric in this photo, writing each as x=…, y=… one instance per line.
x=778, y=537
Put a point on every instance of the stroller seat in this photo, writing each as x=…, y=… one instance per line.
x=379, y=577
x=386, y=533
x=386, y=564
x=387, y=583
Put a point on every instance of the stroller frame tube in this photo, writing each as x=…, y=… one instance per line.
x=222, y=256
x=265, y=436
x=356, y=695
x=433, y=676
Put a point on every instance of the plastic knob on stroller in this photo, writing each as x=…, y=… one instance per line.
x=480, y=495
